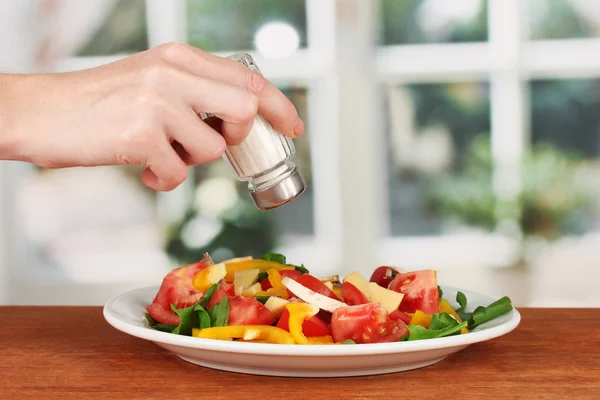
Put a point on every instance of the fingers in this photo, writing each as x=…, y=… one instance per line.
x=272, y=103
x=165, y=169
x=196, y=142
x=237, y=107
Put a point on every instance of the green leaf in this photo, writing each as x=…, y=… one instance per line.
x=465, y=316
x=441, y=321
x=440, y=292
x=262, y=299
x=452, y=330
x=418, y=332
x=278, y=258
x=348, y=341
x=302, y=269
x=462, y=310
x=494, y=310
x=187, y=320
x=203, y=317
x=262, y=276
x=208, y=295
x=462, y=300
x=219, y=313
x=165, y=328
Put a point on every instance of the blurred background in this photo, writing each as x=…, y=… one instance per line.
x=458, y=135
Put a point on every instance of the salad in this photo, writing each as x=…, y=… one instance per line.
x=269, y=300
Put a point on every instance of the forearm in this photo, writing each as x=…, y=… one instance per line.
x=11, y=140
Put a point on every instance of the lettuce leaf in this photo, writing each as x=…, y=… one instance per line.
x=219, y=313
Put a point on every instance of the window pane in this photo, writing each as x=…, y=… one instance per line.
x=564, y=167
x=124, y=31
x=438, y=141
x=234, y=25
x=222, y=218
x=433, y=21
x=563, y=19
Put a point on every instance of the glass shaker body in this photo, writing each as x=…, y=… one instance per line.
x=265, y=159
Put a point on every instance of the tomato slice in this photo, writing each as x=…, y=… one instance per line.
x=292, y=274
x=420, y=291
x=352, y=295
x=176, y=288
x=315, y=326
x=366, y=323
x=381, y=276
x=248, y=311
x=399, y=315
x=312, y=283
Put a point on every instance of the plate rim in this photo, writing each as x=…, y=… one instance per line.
x=309, y=350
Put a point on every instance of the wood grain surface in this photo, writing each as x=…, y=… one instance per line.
x=72, y=353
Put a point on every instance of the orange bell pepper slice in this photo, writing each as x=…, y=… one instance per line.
x=420, y=318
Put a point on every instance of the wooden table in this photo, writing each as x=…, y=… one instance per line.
x=72, y=353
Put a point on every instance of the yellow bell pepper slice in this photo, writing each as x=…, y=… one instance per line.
x=420, y=318
x=277, y=288
x=447, y=308
x=266, y=333
x=328, y=339
x=261, y=265
x=299, y=312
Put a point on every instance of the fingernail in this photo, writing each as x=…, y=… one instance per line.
x=298, y=128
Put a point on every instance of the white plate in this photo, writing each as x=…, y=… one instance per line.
x=126, y=313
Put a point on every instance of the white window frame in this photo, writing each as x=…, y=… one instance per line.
x=342, y=69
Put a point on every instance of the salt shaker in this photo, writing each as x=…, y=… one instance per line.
x=265, y=159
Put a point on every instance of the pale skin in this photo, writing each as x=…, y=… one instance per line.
x=140, y=110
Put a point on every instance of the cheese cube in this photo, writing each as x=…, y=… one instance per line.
x=389, y=299
x=244, y=279
x=276, y=305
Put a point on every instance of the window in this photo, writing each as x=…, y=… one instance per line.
x=213, y=27
x=472, y=98
x=565, y=134
x=432, y=21
x=433, y=131
x=563, y=19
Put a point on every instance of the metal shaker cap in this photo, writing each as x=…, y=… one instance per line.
x=281, y=193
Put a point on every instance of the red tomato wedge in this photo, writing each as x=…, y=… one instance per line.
x=381, y=277
x=352, y=295
x=312, y=283
x=292, y=274
x=399, y=315
x=311, y=327
x=225, y=289
x=366, y=323
x=248, y=311
x=176, y=288
x=420, y=291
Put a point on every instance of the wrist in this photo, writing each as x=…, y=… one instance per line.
x=11, y=140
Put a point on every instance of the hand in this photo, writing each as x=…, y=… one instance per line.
x=139, y=110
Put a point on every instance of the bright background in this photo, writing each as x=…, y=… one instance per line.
x=459, y=135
